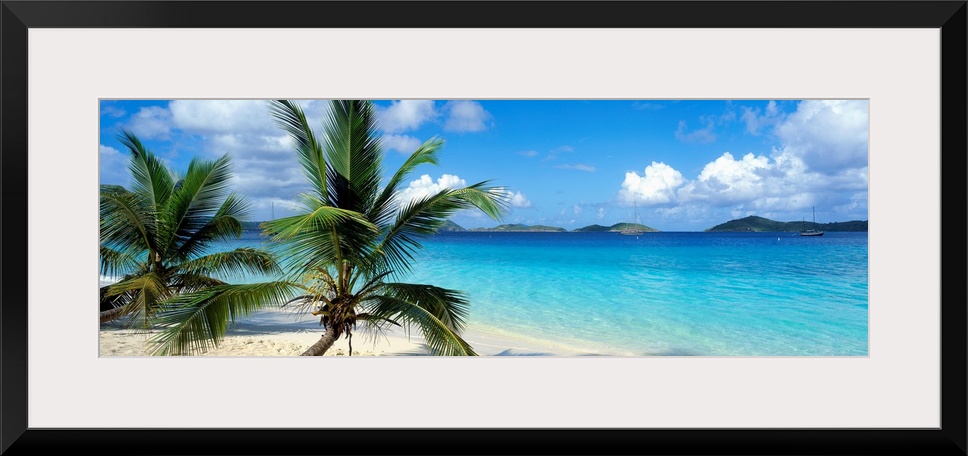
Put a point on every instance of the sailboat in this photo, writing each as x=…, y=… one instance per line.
x=630, y=228
x=812, y=231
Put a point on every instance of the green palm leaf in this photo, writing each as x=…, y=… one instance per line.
x=291, y=118
x=187, y=283
x=114, y=262
x=224, y=225
x=449, y=306
x=145, y=291
x=243, y=260
x=353, y=154
x=441, y=340
x=318, y=239
x=383, y=208
x=158, y=234
x=126, y=221
x=422, y=217
x=195, y=322
x=354, y=232
x=195, y=200
x=151, y=176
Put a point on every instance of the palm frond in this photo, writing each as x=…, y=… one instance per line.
x=151, y=177
x=188, y=283
x=233, y=262
x=127, y=222
x=384, y=208
x=146, y=292
x=226, y=224
x=449, y=306
x=441, y=340
x=108, y=302
x=290, y=117
x=318, y=239
x=489, y=200
x=354, y=155
x=422, y=217
x=192, y=323
x=371, y=327
x=195, y=201
x=373, y=283
x=115, y=262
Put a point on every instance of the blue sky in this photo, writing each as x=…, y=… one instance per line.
x=682, y=165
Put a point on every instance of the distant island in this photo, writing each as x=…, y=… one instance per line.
x=616, y=228
x=251, y=226
x=450, y=226
x=760, y=224
x=746, y=224
x=520, y=228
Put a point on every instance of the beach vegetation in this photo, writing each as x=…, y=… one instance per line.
x=753, y=223
x=156, y=237
x=354, y=236
x=521, y=228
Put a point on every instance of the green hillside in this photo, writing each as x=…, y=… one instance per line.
x=760, y=224
x=592, y=228
x=251, y=226
x=450, y=226
x=635, y=226
x=520, y=228
x=615, y=228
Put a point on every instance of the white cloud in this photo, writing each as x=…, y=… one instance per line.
x=112, y=165
x=601, y=213
x=820, y=159
x=701, y=136
x=151, y=122
x=406, y=115
x=403, y=144
x=425, y=186
x=828, y=135
x=518, y=200
x=755, y=121
x=657, y=186
x=576, y=209
x=466, y=116
x=112, y=111
x=263, y=160
x=239, y=117
x=751, y=180
x=514, y=199
x=528, y=153
x=579, y=167
x=265, y=166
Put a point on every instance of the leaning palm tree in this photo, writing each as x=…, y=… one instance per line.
x=354, y=235
x=158, y=237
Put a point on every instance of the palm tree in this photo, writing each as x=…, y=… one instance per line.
x=157, y=237
x=353, y=235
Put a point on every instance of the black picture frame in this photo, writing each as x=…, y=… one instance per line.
x=18, y=16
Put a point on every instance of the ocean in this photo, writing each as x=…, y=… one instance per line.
x=665, y=293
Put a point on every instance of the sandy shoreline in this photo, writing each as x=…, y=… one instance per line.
x=279, y=333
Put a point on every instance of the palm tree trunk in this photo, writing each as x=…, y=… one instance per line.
x=111, y=314
x=325, y=341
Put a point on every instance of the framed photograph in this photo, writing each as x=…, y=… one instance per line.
x=728, y=95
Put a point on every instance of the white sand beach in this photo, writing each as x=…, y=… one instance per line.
x=280, y=333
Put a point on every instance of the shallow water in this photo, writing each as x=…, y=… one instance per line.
x=705, y=294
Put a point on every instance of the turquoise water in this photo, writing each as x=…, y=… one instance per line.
x=706, y=294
